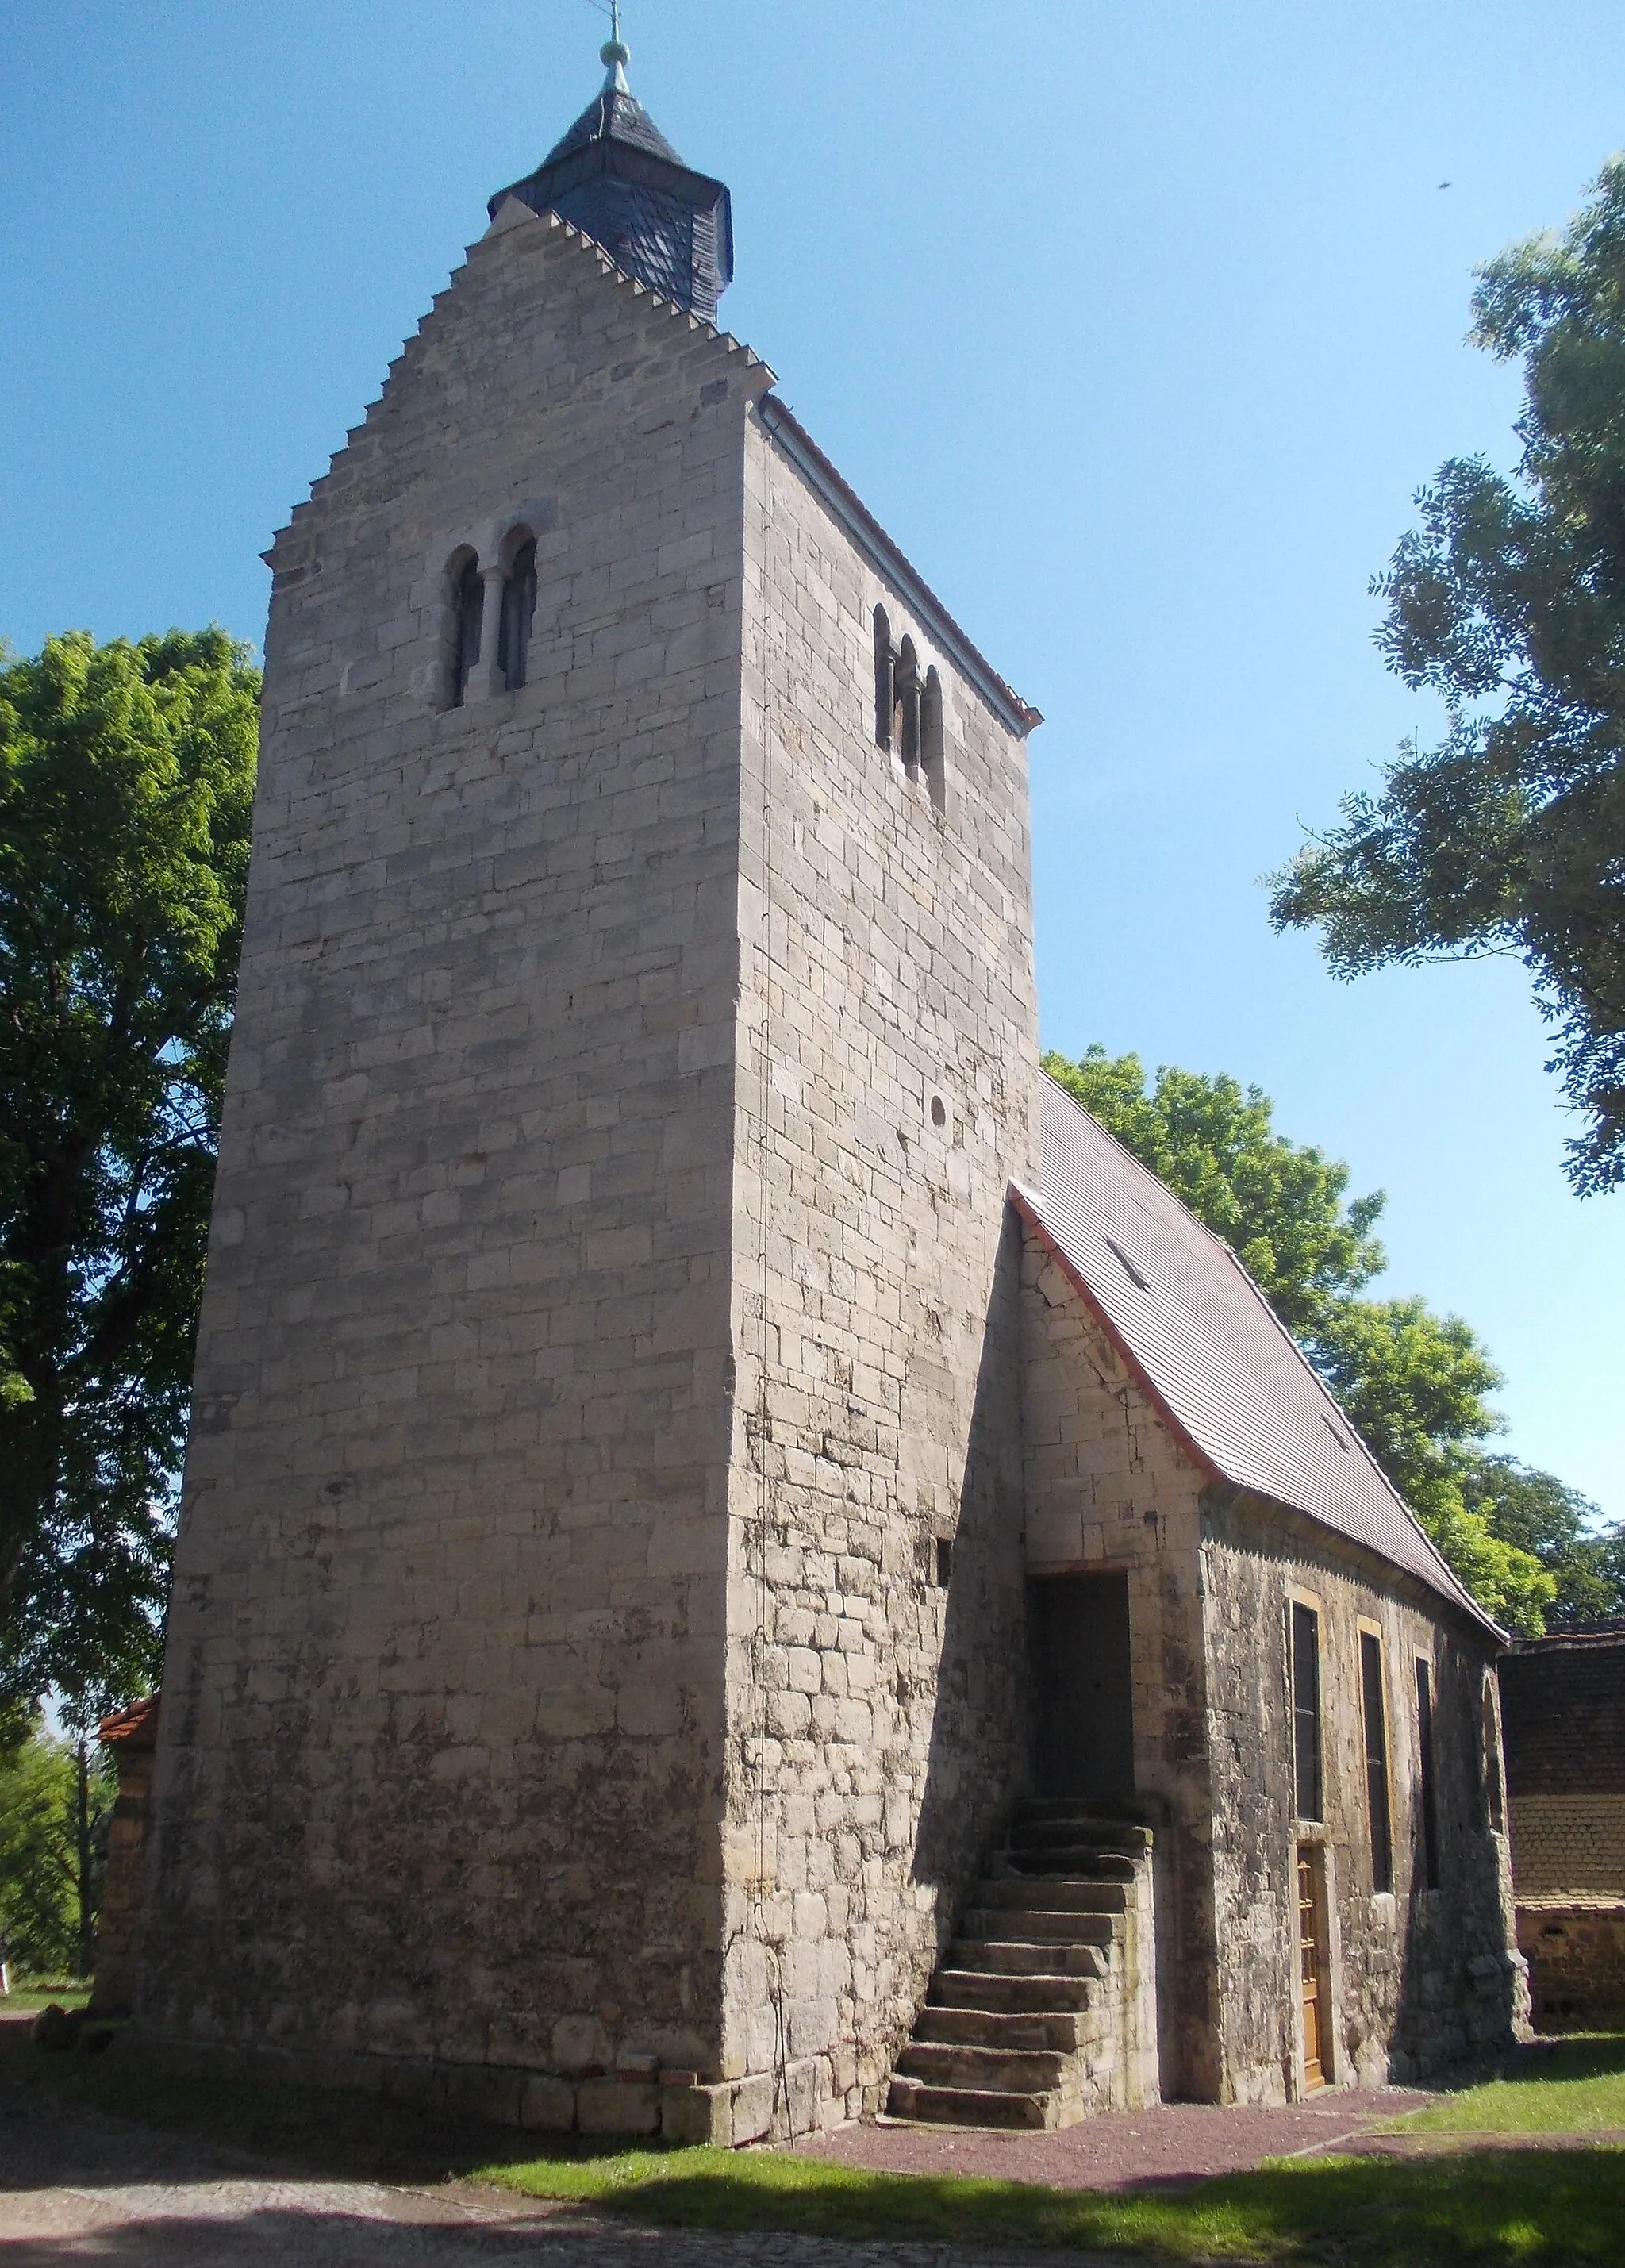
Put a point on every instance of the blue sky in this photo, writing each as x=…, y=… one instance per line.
x=1138, y=325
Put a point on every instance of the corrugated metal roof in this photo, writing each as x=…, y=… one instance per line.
x=1207, y=1342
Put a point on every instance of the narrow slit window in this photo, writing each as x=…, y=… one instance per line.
x=1429, y=1790
x=1306, y=1713
x=1495, y=1794
x=933, y=752
x=470, y=606
x=910, y=695
x=944, y=1561
x=1377, y=1800
x=518, y=611
x=886, y=682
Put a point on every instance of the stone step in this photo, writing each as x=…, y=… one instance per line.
x=1053, y=1894
x=1042, y=1958
x=1085, y=1833
x=1122, y=1810
x=1036, y=1926
x=1076, y=1862
x=1014, y=1995
x=965, y=2106
x=996, y=2071
x=1065, y=2031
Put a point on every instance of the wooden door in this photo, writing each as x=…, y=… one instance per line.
x=1312, y=1969
x=1084, y=1675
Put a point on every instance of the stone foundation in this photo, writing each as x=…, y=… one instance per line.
x=768, y=2106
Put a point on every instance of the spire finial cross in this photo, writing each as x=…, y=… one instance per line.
x=616, y=54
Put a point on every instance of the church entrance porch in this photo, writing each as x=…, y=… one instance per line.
x=1083, y=1686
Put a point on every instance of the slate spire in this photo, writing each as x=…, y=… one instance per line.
x=616, y=177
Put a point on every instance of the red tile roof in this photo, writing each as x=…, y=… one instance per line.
x=134, y=1727
x=1206, y=1343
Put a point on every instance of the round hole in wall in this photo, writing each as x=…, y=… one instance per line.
x=939, y=1111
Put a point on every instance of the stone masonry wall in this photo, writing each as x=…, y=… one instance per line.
x=1108, y=1486
x=1417, y=1977
x=1575, y=1951
x=441, y=1779
x=887, y=1053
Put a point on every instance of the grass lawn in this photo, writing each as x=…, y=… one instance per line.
x=1525, y=2209
x=28, y=1999
x=1562, y=2087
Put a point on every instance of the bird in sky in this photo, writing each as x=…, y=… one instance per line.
x=1444, y=185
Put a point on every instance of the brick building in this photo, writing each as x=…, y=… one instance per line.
x=1563, y=1702
x=737, y=1554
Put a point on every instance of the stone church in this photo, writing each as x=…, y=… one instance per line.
x=742, y=1563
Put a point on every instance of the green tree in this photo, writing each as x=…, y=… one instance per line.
x=56, y=1799
x=1509, y=602
x=1277, y=1203
x=126, y=778
x=1413, y=1382
x=1564, y=1530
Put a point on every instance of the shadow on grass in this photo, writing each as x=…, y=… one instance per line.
x=1578, y=2055
x=1511, y=2210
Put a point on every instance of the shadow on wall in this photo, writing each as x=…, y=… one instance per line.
x=1459, y=1979
x=978, y=1760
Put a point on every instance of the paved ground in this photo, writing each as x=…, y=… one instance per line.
x=1164, y=2148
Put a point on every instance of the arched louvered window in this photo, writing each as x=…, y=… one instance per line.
x=469, y=602
x=518, y=610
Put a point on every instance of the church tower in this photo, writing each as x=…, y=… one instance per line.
x=590, y=1670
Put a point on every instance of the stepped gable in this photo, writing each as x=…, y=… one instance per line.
x=1562, y=1714
x=1207, y=1345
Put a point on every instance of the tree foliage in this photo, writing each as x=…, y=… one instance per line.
x=1564, y=1530
x=1508, y=601
x=1415, y=1383
x=56, y=1798
x=1277, y=1203
x=126, y=777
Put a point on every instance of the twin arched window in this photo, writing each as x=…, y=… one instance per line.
x=908, y=709
x=512, y=600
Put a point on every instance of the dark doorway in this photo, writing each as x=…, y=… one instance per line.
x=1083, y=1686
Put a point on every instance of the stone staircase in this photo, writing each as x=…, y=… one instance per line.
x=1043, y=2010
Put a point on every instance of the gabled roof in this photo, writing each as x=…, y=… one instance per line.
x=1206, y=1343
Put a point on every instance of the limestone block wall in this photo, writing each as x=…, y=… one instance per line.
x=887, y=1054
x=442, y=1769
x=1108, y=1486
x=1418, y=1977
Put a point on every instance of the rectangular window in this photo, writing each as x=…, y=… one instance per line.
x=1494, y=1802
x=1430, y=1792
x=1375, y=1761
x=1306, y=1711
